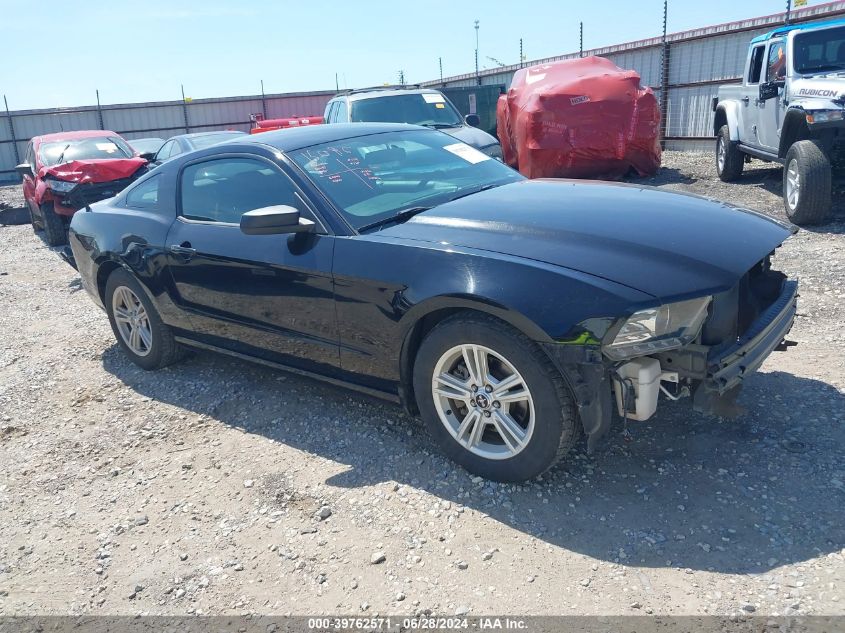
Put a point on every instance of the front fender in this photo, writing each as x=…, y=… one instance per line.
x=727, y=113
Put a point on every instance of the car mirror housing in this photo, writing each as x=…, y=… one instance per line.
x=275, y=220
x=770, y=89
x=472, y=120
x=148, y=156
x=24, y=169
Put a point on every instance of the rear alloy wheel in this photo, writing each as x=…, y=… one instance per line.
x=54, y=227
x=492, y=399
x=807, y=184
x=136, y=324
x=729, y=160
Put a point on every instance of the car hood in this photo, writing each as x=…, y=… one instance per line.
x=89, y=171
x=471, y=136
x=669, y=245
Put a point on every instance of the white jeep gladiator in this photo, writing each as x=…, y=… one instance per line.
x=789, y=109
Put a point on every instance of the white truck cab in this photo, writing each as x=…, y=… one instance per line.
x=790, y=109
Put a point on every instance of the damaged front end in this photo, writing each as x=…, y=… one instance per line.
x=703, y=348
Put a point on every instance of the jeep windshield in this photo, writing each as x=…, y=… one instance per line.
x=430, y=109
x=820, y=51
x=97, y=147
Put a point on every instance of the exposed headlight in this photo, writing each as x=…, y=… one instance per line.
x=659, y=329
x=493, y=151
x=825, y=116
x=60, y=186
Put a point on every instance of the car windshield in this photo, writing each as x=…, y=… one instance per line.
x=146, y=145
x=374, y=177
x=820, y=51
x=419, y=109
x=97, y=147
x=206, y=140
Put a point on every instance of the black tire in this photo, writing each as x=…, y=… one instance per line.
x=730, y=167
x=33, y=219
x=163, y=350
x=556, y=423
x=813, y=197
x=54, y=227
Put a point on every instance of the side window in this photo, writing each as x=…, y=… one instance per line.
x=144, y=195
x=176, y=149
x=342, y=114
x=776, y=66
x=331, y=111
x=756, y=68
x=222, y=190
x=30, y=157
x=164, y=151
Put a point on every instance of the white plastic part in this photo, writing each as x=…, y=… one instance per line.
x=644, y=375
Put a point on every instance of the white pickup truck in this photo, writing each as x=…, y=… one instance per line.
x=789, y=109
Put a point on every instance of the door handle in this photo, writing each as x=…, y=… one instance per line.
x=183, y=249
x=745, y=100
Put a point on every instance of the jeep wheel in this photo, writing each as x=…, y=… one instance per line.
x=807, y=183
x=492, y=399
x=54, y=226
x=729, y=160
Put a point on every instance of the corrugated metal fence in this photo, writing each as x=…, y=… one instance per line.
x=138, y=120
x=696, y=63
x=685, y=70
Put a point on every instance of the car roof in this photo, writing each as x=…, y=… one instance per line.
x=209, y=133
x=797, y=27
x=290, y=139
x=74, y=135
x=357, y=95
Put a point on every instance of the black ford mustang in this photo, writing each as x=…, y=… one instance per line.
x=511, y=314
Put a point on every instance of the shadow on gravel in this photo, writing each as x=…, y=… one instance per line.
x=664, y=176
x=692, y=492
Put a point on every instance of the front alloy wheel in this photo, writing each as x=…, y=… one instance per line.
x=492, y=399
x=483, y=401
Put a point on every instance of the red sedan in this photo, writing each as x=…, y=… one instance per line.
x=66, y=171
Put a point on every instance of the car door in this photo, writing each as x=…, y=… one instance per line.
x=269, y=296
x=748, y=115
x=770, y=111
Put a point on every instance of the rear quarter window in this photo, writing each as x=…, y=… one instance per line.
x=145, y=195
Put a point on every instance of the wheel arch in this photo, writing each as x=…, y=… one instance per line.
x=794, y=129
x=726, y=115
x=423, y=318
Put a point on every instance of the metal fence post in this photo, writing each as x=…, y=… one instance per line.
x=100, y=112
x=12, y=132
x=664, y=78
x=263, y=101
x=185, y=111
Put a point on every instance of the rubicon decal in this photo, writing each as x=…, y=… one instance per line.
x=816, y=92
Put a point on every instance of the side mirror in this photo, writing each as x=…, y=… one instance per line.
x=24, y=169
x=472, y=120
x=771, y=89
x=148, y=156
x=275, y=220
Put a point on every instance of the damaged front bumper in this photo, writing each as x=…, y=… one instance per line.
x=712, y=374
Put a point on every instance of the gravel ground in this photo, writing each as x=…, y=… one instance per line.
x=216, y=486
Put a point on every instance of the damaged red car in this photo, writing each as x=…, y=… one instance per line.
x=66, y=171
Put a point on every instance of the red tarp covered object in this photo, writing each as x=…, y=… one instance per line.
x=580, y=118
